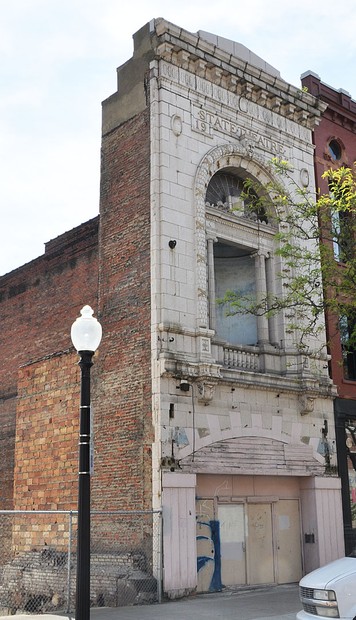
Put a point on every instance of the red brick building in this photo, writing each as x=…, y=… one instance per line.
x=335, y=146
x=35, y=319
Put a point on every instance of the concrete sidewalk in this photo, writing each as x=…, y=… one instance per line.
x=268, y=603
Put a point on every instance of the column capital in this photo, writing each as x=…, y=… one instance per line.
x=261, y=253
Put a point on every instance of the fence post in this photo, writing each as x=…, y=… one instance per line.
x=70, y=528
x=160, y=557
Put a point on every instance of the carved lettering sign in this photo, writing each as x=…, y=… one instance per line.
x=207, y=123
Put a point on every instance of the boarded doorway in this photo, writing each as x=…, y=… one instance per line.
x=246, y=543
x=249, y=543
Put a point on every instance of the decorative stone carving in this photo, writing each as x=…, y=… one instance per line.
x=205, y=392
x=306, y=403
x=304, y=177
x=176, y=124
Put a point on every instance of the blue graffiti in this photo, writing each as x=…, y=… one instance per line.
x=202, y=560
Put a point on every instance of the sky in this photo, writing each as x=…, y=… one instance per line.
x=58, y=63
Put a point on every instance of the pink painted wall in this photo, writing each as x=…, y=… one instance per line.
x=179, y=534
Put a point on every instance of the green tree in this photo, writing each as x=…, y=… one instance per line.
x=314, y=276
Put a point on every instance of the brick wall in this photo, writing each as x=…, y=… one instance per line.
x=47, y=422
x=122, y=392
x=38, y=303
x=38, y=300
x=46, y=450
x=7, y=434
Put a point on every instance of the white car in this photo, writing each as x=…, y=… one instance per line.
x=329, y=591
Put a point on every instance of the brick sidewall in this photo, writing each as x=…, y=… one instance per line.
x=123, y=426
x=38, y=303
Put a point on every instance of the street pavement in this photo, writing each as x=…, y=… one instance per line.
x=267, y=603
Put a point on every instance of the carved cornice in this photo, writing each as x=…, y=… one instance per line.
x=188, y=51
x=341, y=109
x=216, y=374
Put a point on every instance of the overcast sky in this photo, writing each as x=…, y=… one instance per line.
x=58, y=62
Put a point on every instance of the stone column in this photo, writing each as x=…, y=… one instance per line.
x=211, y=283
x=261, y=294
x=271, y=289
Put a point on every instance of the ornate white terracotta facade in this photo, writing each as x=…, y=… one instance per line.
x=237, y=426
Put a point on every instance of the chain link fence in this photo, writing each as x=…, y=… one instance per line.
x=38, y=560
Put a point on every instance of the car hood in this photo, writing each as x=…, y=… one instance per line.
x=330, y=573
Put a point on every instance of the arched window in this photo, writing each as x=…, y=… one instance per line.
x=229, y=192
x=240, y=257
x=335, y=149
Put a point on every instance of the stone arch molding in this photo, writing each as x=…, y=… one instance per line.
x=254, y=454
x=236, y=431
x=218, y=158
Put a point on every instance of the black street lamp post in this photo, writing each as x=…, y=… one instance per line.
x=86, y=336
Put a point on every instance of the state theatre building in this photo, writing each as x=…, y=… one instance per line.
x=215, y=419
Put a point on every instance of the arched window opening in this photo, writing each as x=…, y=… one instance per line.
x=229, y=192
x=335, y=150
x=241, y=264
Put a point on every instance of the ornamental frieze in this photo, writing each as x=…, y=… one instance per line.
x=253, y=103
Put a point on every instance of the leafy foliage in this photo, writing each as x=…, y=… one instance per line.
x=314, y=276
